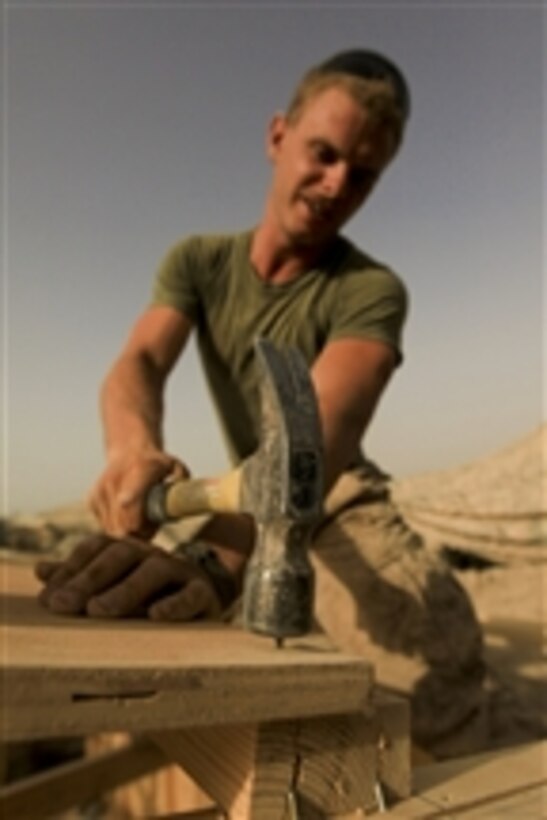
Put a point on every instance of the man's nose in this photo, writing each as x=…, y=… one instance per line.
x=335, y=180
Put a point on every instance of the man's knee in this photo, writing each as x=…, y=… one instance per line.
x=383, y=594
x=404, y=598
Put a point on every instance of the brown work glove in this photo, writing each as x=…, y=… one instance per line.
x=115, y=578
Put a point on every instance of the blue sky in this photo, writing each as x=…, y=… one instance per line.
x=126, y=126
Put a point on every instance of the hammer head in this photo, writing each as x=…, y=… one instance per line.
x=282, y=486
x=284, y=477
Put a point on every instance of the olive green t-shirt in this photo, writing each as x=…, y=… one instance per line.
x=212, y=281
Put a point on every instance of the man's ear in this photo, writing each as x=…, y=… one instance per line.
x=276, y=132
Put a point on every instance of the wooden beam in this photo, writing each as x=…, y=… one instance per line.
x=200, y=814
x=168, y=791
x=325, y=763
x=507, y=783
x=390, y=727
x=253, y=725
x=74, y=783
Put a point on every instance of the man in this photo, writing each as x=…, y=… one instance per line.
x=297, y=281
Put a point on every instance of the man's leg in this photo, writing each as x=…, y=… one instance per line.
x=382, y=595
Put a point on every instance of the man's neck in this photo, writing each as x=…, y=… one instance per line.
x=278, y=260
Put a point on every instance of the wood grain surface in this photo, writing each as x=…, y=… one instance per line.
x=508, y=783
x=75, y=676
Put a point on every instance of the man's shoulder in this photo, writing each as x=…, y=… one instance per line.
x=356, y=265
x=192, y=265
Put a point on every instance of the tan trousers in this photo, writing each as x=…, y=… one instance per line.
x=381, y=594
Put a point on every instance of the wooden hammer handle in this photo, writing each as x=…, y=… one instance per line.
x=194, y=496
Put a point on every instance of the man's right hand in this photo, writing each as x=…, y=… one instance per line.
x=118, y=499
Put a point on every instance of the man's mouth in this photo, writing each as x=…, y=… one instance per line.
x=320, y=208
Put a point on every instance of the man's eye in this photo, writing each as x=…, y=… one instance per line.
x=324, y=154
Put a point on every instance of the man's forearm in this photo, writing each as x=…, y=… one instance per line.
x=132, y=406
x=341, y=440
x=349, y=377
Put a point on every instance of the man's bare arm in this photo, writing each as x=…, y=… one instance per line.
x=132, y=413
x=349, y=377
x=122, y=576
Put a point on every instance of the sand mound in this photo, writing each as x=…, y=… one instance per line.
x=495, y=507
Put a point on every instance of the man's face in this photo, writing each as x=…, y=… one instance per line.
x=326, y=163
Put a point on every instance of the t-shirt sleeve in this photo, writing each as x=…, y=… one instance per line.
x=175, y=281
x=371, y=304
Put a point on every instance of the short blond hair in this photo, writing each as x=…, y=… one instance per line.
x=376, y=96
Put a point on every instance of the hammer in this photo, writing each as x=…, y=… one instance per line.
x=280, y=485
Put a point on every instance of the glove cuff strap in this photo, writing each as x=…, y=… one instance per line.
x=205, y=557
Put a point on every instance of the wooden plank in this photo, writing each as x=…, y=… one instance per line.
x=325, y=759
x=77, y=676
x=528, y=802
x=510, y=782
x=390, y=726
x=168, y=791
x=222, y=761
x=336, y=765
x=326, y=764
x=74, y=783
x=200, y=814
